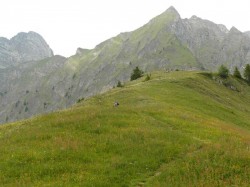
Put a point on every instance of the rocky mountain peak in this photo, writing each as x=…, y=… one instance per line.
x=22, y=48
x=234, y=30
x=173, y=11
x=24, y=36
x=31, y=41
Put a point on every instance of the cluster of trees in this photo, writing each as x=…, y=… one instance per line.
x=224, y=72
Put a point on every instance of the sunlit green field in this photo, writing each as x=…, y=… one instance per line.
x=177, y=129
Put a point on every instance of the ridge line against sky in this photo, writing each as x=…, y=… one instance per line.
x=67, y=25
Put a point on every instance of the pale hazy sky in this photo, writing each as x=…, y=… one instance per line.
x=68, y=24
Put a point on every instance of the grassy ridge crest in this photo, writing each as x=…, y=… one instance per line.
x=177, y=129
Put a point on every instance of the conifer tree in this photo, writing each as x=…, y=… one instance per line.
x=237, y=73
x=137, y=73
x=119, y=84
x=247, y=73
x=223, y=71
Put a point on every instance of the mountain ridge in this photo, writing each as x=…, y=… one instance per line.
x=166, y=42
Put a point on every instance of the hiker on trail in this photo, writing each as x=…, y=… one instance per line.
x=116, y=104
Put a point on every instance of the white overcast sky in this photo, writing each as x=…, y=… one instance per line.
x=69, y=24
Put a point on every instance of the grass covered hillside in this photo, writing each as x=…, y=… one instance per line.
x=177, y=129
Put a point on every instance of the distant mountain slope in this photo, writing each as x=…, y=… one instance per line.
x=167, y=42
x=177, y=129
x=22, y=48
x=26, y=88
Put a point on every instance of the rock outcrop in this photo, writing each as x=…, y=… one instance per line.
x=81, y=51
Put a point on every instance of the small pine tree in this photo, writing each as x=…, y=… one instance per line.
x=247, y=73
x=223, y=71
x=137, y=73
x=119, y=84
x=237, y=73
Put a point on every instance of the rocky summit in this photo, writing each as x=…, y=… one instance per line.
x=22, y=48
x=167, y=42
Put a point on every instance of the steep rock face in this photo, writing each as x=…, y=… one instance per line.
x=26, y=89
x=247, y=33
x=212, y=44
x=22, y=48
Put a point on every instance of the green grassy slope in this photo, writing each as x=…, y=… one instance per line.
x=178, y=129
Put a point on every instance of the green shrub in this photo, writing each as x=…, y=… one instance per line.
x=79, y=100
x=148, y=77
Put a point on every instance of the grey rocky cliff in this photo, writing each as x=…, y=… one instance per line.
x=22, y=48
x=247, y=33
x=26, y=89
x=212, y=44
